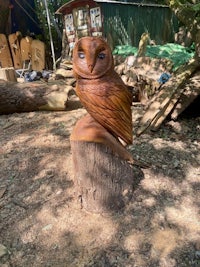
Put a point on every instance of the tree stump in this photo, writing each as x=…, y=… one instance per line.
x=104, y=182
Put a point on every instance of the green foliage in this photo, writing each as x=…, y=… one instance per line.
x=196, y=7
x=187, y=11
x=56, y=25
x=179, y=3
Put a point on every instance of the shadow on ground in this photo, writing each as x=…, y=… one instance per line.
x=42, y=225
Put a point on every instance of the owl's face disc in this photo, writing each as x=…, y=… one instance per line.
x=92, y=57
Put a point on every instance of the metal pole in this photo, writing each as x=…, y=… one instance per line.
x=50, y=34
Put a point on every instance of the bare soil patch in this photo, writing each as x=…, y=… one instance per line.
x=42, y=225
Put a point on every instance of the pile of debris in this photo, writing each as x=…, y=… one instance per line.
x=143, y=75
x=166, y=80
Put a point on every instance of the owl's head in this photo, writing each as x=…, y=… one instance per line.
x=92, y=57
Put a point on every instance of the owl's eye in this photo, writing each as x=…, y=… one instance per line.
x=101, y=55
x=81, y=55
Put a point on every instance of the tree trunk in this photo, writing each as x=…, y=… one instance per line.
x=104, y=182
x=16, y=97
x=189, y=14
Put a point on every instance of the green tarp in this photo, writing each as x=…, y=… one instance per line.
x=178, y=54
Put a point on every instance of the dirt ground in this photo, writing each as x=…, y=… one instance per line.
x=42, y=225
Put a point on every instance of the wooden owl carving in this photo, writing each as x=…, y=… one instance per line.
x=100, y=89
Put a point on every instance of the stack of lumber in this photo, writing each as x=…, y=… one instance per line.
x=16, y=50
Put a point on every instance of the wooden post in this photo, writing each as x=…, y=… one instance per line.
x=8, y=74
x=104, y=182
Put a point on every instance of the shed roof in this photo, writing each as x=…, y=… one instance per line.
x=67, y=7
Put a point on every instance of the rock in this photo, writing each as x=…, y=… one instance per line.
x=3, y=250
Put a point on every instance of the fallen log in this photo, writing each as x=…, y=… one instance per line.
x=25, y=97
x=164, y=101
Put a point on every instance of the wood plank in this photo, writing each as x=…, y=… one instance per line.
x=38, y=55
x=184, y=75
x=190, y=93
x=15, y=50
x=165, y=100
x=5, y=56
x=25, y=47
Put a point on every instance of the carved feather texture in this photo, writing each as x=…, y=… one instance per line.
x=100, y=89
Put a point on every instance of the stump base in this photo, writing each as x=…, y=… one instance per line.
x=105, y=182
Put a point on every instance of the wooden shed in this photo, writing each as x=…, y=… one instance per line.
x=81, y=18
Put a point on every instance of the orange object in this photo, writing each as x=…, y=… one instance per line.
x=100, y=89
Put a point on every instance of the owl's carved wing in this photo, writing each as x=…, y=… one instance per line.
x=109, y=103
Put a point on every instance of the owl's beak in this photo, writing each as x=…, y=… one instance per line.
x=91, y=61
x=91, y=67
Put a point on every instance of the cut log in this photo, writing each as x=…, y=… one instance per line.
x=163, y=102
x=104, y=182
x=17, y=97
